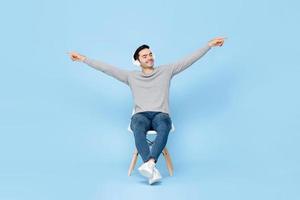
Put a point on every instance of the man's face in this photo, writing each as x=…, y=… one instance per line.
x=146, y=58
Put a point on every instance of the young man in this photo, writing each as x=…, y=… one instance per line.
x=150, y=89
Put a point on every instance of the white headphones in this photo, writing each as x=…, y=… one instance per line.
x=137, y=62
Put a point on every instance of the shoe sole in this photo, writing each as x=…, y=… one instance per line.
x=154, y=181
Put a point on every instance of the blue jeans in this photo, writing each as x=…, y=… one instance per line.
x=142, y=122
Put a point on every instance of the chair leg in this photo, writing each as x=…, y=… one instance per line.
x=168, y=161
x=133, y=161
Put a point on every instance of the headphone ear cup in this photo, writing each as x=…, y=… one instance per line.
x=136, y=62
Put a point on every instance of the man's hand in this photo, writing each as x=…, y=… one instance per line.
x=76, y=56
x=219, y=41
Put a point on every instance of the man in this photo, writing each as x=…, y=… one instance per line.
x=150, y=89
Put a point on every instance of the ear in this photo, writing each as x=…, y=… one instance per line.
x=153, y=55
x=136, y=62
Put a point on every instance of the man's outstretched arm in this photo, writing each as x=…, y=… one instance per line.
x=119, y=74
x=187, y=61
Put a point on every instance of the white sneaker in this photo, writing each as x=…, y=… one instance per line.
x=156, y=176
x=146, y=169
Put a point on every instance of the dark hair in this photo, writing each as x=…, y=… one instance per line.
x=137, y=51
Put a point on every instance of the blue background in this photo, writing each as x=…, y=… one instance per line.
x=63, y=125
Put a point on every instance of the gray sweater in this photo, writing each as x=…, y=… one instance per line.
x=150, y=92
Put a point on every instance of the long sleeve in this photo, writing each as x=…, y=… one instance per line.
x=119, y=74
x=187, y=61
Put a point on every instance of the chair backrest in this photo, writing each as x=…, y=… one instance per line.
x=151, y=132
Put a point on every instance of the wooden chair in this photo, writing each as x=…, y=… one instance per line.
x=165, y=152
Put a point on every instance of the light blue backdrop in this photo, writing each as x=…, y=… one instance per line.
x=63, y=125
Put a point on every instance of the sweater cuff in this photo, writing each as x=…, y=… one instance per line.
x=207, y=46
x=86, y=60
